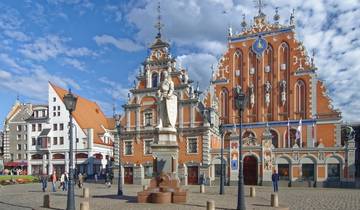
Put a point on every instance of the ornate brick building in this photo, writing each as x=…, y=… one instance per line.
x=287, y=105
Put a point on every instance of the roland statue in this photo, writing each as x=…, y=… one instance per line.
x=167, y=102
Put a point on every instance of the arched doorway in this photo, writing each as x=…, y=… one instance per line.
x=250, y=170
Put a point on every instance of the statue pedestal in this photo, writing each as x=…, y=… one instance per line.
x=165, y=150
x=164, y=187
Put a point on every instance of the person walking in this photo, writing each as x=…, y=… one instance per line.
x=53, y=181
x=81, y=180
x=107, y=180
x=275, y=179
x=62, y=181
x=44, y=180
x=66, y=181
x=96, y=177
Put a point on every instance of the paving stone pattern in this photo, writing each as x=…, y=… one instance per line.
x=30, y=196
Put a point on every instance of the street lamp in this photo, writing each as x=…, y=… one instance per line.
x=221, y=130
x=240, y=103
x=70, y=103
x=118, y=129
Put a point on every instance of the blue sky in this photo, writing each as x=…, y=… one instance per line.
x=96, y=47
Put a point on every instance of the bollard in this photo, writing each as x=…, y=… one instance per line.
x=202, y=188
x=274, y=200
x=252, y=192
x=210, y=205
x=144, y=187
x=84, y=205
x=47, y=201
x=86, y=192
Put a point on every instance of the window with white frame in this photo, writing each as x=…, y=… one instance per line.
x=128, y=148
x=148, y=118
x=147, y=147
x=18, y=137
x=19, y=147
x=18, y=128
x=192, y=145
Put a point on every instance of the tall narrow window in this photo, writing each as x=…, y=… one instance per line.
x=300, y=98
x=284, y=56
x=224, y=112
x=238, y=65
x=154, y=80
x=270, y=59
x=274, y=138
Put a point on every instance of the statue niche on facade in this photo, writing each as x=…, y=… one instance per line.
x=167, y=103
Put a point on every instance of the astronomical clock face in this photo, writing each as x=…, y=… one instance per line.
x=259, y=46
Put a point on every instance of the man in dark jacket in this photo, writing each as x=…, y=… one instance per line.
x=44, y=180
x=275, y=179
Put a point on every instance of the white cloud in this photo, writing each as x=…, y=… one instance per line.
x=5, y=75
x=52, y=46
x=15, y=67
x=34, y=83
x=121, y=43
x=75, y=63
x=330, y=27
x=17, y=35
x=114, y=89
x=199, y=67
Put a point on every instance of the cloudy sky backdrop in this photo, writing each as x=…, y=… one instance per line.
x=96, y=47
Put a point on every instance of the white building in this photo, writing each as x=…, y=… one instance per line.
x=93, y=140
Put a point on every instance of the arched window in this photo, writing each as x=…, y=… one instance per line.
x=275, y=138
x=252, y=62
x=300, y=98
x=249, y=137
x=284, y=56
x=224, y=112
x=238, y=64
x=269, y=53
x=154, y=80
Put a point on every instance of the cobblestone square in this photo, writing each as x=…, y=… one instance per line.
x=30, y=196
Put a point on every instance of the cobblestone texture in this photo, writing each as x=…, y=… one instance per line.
x=30, y=196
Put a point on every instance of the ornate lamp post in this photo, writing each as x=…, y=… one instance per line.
x=70, y=103
x=221, y=130
x=118, y=129
x=240, y=103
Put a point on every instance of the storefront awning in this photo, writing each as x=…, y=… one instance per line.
x=15, y=164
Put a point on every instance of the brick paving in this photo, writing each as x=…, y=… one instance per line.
x=30, y=196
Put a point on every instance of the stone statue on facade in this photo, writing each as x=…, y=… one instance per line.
x=283, y=91
x=267, y=93
x=252, y=95
x=167, y=102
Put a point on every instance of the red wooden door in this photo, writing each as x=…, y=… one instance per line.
x=128, y=175
x=193, y=175
x=250, y=170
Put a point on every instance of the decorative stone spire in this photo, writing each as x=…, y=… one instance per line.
x=159, y=25
x=243, y=23
x=276, y=16
x=260, y=5
x=292, y=18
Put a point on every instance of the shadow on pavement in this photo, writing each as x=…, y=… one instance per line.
x=10, y=204
x=129, y=199
x=204, y=206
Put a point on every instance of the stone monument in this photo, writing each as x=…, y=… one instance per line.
x=165, y=185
